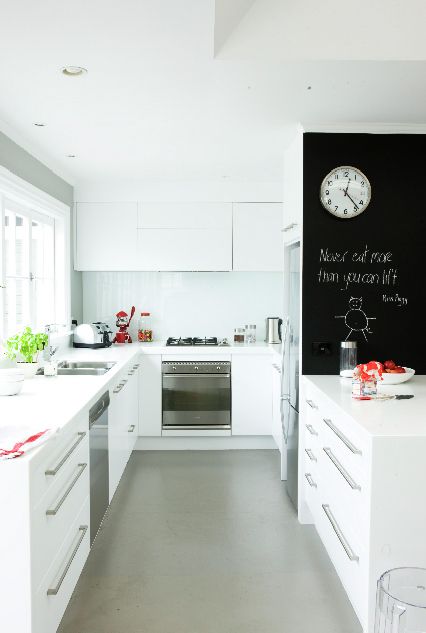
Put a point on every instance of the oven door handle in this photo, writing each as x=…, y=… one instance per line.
x=196, y=375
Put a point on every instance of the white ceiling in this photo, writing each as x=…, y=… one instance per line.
x=157, y=104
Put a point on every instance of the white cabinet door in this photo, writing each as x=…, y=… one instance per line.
x=185, y=215
x=150, y=396
x=251, y=395
x=293, y=189
x=257, y=236
x=105, y=236
x=184, y=249
x=118, y=443
x=132, y=404
x=123, y=423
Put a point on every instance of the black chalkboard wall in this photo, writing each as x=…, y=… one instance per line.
x=390, y=240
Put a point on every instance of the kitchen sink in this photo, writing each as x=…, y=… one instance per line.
x=81, y=368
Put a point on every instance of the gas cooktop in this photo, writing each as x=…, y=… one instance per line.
x=188, y=341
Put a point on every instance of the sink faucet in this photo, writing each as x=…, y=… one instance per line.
x=49, y=351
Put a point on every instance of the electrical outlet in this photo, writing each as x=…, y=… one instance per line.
x=321, y=349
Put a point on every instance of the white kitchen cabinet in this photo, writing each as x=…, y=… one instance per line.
x=185, y=215
x=45, y=537
x=257, y=236
x=150, y=397
x=251, y=394
x=184, y=236
x=198, y=249
x=105, y=236
x=122, y=423
x=293, y=188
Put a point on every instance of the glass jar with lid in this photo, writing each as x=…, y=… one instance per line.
x=145, y=334
x=250, y=334
x=239, y=336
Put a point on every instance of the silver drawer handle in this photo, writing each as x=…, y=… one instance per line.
x=310, y=454
x=136, y=366
x=53, y=511
x=348, y=549
x=119, y=388
x=54, y=590
x=311, y=482
x=130, y=373
x=311, y=404
x=289, y=227
x=196, y=375
x=311, y=429
x=341, y=469
x=54, y=471
x=131, y=428
x=277, y=367
x=342, y=437
x=123, y=382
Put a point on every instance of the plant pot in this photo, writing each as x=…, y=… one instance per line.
x=29, y=369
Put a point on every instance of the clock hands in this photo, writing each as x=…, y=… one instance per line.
x=346, y=194
x=347, y=187
x=353, y=202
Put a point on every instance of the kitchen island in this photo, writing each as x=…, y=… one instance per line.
x=361, y=465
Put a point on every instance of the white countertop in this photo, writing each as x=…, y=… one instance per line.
x=381, y=418
x=52, y=402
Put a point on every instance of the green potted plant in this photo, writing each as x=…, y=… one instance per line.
x=26, y=347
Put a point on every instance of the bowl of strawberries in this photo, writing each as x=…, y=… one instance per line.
x=394, y=374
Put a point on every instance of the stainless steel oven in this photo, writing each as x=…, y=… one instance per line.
x=196, y=395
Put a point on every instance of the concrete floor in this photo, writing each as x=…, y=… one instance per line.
x=206, y=542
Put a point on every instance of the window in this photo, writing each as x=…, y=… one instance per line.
x=33, y=264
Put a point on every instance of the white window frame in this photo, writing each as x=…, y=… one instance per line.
x=36, y=202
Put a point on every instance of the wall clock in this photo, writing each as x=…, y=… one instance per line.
x=345, y=192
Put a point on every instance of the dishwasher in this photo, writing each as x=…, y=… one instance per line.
x=99, y=467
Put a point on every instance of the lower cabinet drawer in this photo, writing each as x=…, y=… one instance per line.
x=54, y=593
x=56, y=456
x=345, y=552
x=57, y=510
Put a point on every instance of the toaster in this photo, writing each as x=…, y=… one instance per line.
x=92, y=335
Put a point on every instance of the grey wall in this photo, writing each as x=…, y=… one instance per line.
x=21, y=163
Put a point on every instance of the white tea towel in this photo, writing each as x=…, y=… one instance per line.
x=16, y=441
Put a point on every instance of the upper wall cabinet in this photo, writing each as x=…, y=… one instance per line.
x=257, y=239
x=178, y=236
x=105, y=235
x=293, y=188
x=184, y=236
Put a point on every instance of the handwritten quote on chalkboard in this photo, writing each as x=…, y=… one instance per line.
x=380, y=271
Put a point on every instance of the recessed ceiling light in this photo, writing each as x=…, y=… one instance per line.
x=40, y=124
x=71, y=156
x=73, y=71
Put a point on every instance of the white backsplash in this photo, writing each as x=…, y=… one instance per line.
x=185, y=304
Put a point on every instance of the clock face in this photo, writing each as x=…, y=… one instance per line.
x=345, y=192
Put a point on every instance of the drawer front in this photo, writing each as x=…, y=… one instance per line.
x=54, y=593
x=56, y=457
x=342, y=491
x=345, y=553
x=57, y=510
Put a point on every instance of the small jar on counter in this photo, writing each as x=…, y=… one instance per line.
x=250, y=334
x=145, y=328
x=239, y=335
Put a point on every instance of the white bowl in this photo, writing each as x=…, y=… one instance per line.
x=10, y=374
x=397, y=379
x=10, y=387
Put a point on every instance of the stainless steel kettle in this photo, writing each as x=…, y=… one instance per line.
x=273, y=330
